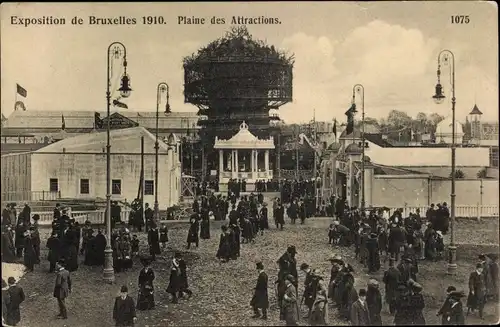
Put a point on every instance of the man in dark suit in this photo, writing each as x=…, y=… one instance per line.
x=260, y=299
x=149, y=215
x=16, y=295
x=62, y=289
x=477, y=291
x=359, y=311
x=124, y=309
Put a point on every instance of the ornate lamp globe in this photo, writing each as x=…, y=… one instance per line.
x=439, y=96
x=125, y=86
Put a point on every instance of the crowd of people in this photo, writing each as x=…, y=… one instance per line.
x=376, y=236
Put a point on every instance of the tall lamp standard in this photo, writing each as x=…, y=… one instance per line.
x=439, y=98
x=162, y=88
x=108, y=272
x=361, y=89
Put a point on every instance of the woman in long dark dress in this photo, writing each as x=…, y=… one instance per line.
x=145, y=299
x=224, y=251
x=205, y=226
x=29, y=252
x=194, y=229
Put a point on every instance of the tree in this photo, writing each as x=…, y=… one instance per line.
x=398, y=119
x=421, y=117
x=458, y=174
x=435, y=119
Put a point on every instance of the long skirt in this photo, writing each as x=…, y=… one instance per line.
x=319, y=314
x=145, y=299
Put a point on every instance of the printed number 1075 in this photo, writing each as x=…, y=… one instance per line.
x=460, y=19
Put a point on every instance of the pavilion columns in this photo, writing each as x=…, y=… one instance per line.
x=266, y=163
x=221, y=162
x=253, y=164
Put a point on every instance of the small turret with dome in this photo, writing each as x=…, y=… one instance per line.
x=353, y=148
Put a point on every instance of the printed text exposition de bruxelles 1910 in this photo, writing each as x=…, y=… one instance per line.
x=144, y=20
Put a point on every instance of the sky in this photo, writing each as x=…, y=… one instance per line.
x=391, y=48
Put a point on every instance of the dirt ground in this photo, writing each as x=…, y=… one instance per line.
x=222, y=292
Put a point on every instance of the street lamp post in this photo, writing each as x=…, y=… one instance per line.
x=361, y=89
x=439, y=98
x=162, y=88
x=108, y=271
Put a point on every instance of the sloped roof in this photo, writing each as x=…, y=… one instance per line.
x=85, y=119
x=244, y=139
x=475, y=111
x=93, y=142
x=388, y=170
x=369, y=129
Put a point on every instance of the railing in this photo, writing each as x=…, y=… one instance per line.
x=95, y=217
x=21, y=196
x=291, y=174
x=461, y=211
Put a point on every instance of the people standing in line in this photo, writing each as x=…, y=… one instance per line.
x=62, y=289
x=16, y=297
x=124, y=309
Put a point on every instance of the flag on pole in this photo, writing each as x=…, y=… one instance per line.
x=21, y=91
x=350, y=118
x=119, y=104
x=63, y=123
x=335, y=128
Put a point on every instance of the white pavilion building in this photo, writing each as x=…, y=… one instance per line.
x=244, y=156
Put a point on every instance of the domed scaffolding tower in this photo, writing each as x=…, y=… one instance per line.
x=234, y=79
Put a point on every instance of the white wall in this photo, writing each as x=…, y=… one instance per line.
x=70, y=168
x=424, y=156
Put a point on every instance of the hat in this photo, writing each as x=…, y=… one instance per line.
x=36, y=217
x=373, y=282
x=124, y=289
x=373, y=235
x=304, y=266
x=336, y=223
x=362, y=292
x=451, y=289
x=457, y=295
x=292, y=249
x=439, y=233
x=259, y=265
x=11, y=280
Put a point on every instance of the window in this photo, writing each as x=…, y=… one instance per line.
x=116, y=186
x=84, y=186
x=149, y=187
x=53, y=185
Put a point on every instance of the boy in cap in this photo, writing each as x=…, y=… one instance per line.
x=456, y=313
x=477, y=291
x=444, y=312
